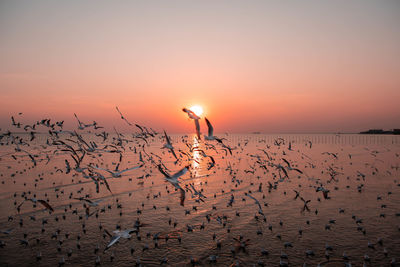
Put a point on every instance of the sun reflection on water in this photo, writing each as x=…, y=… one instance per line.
x=197, y=159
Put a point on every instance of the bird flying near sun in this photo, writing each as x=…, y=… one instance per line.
x=198, y=110
x=194, y=113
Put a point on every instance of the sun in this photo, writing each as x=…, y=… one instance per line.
x=198, y=110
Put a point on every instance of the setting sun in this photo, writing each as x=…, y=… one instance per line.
x=192, y=113
x=198, y=110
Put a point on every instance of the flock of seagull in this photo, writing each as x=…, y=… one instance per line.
x=80, y=182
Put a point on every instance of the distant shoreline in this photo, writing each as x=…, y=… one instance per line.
x=380, y=131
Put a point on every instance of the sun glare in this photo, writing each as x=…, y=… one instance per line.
x=198, y=110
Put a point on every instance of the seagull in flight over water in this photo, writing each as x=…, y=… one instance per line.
x=34, y=201
x=196, y=119
x=118, y=234
x=90, y=202
x=122, y=116
x=260, y=211
x=117, y=174
x=169, y=145
x=211, y=135
x=173, y=179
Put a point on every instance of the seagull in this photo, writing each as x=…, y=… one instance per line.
x=196, y=119
x=210, y=164
x=324, y=192
x=41, y=201
x=331, y=154
x=197, y=193
x=174, y=180
x=305, y=204
x=297, y=194
x=290, y=146
x=90, y=202
x=279, y=167
x=118, y=234
x=290, y=168
x=210, y=135
x=117, y=174
x=169, y=145
x=257, y=202
x=81, y=125
x=122, y=116
x=30, y=156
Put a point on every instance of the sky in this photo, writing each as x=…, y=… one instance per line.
x=267, y=66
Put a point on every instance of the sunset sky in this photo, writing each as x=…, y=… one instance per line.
x=269, y=66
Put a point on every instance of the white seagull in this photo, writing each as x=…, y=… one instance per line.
x=196, y=119
x=210, y=135
x=174, y=180
x=117, y=236
x=169, y=145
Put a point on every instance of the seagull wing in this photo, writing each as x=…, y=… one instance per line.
x=113, y=240
x=194, y=189
x=132, y=230
x=96, y=183
x=284, y=171
x=122, y=116
x=108, y=233
x=163, y=171
x=112, y=173
x=191, y=114
x=287, y=162
x=85, y=199
x=180, y=173
x=93, y=166
x=80, y=123
x=173, y=153
x=44, y=203
x=212, y=162
x=129, y=169
x=182, y=197
x=107, y=185
x=19, y=206
x=210, y=128
x=250, y=196
x=299, y=171
x=167, y=138
x=140, y=127
x=228, y=148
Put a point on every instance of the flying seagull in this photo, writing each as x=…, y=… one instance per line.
x=34, y=200
x=173, y=179
x=117, y=236
x=211, y=135
x=122, y=117
x=117, y=174
x=196, y=119
x=169, y=145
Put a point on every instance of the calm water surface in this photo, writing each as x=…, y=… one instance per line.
x=361, y=173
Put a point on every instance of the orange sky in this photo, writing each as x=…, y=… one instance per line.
x=266, y=66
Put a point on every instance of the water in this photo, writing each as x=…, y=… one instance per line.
x=365, y=184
